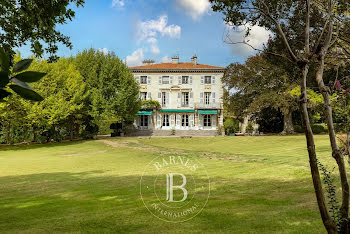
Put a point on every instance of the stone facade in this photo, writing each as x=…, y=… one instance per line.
x=191, y=96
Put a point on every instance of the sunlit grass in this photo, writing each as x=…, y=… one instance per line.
x=258, y=185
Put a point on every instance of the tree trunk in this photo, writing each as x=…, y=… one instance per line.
x=288, y=122
x=71, y=130
x=316, y=179
x=336, y=153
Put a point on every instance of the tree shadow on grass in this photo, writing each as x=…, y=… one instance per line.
x=39, y=146
x=95, y=202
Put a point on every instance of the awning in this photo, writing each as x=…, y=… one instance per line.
x=208, y=112
x=177, y=110
x=144, y=112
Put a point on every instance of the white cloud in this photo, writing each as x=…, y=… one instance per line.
x=155, y=49
x=105, y=51
x=152, y=40
x=257, y=38
x=165, y=59
x=118, y=3
x=135, y=59
x=194, y=8
x=152, y=28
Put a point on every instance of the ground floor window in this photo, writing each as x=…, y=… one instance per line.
x=207, y=120
x=144, y=120
x=166, y=120
x=185, y=120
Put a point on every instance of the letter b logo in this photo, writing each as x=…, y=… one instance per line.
x=170, y=187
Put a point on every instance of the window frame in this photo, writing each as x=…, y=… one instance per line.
x=143, y=120
x=143, y=79
x=207, y=121
x=185, y=79
x=185, y=99
x=143, y=96
x=185, y=120
x=207, y=97
x=207, y=79
x=165, y=77
x=165, y=120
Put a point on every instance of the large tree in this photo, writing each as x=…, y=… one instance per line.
x=257, y=85
x=310, y=31
x=114, y=90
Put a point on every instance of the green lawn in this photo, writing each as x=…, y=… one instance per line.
x=258, y=185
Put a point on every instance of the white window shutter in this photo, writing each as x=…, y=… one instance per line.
x=179, y=99
x=172, y=120
x=149, y=80
x=213, y=79
x=160, y=98
x=190, y=81
x=178, y=120
x=201, y=98
x=159, y=119
x=191, y=120
x=149, y=96
x=149, y=121
x=202, y=80
x=171, y=79
x=200, y=122
x=160, y=80
x=180, y=80
x=167, y=97
x=213, y=119
x=138, y=79
x=191, y=100
x=213, y=97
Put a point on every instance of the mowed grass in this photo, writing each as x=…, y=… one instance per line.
x=258, y=185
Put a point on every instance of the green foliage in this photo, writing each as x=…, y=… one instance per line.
x=334, y=207
x=298, y=129
x=270, y=120
x=231, y=126
x=34, y=22
x=151, y=104
x=19, y=82
x=249, y=128
x=319, y=128
x=114, y=90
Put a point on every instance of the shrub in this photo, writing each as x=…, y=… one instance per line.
x=319, y=128
x=231, y=126
x=298, y=129
x=151, y=104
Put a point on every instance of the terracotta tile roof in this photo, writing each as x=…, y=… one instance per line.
x=175, y=66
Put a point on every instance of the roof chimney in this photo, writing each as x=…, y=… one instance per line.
x=194, y=60
x=148, y=61
x=175, y=59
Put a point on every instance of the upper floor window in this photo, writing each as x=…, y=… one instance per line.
x=185, y=99
x=143, y=80
x=207, y=80
x=165, y=80
x=207, y=96
x=185, y=80
x=143, y=96
x=164, y=101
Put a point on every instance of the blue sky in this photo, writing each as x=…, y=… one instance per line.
x=156, y=29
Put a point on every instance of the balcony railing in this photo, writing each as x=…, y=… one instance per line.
x=208, y=106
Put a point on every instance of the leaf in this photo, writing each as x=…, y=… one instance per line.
x=4, y=79
x=21, y=83
x=30, y=76
x=26, y=93
x=22, y=65
x=3, y=94
x=4, y=60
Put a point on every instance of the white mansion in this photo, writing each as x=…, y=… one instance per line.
x=190, y=95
